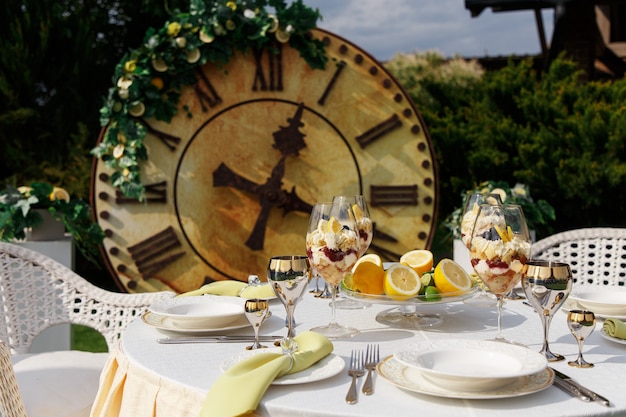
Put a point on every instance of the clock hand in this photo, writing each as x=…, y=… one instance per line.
x=295, y=203
x=269, y=194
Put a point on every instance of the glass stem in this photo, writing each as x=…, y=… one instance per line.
x=256, y=344
x=333, y=300
x=290, y=307
x=546, y=318
x=499, y=305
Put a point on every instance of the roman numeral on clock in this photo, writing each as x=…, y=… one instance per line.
x=156, y=252
x=340, y=66
x=154, y=193
x=379, y=131
x=207, y=96
x=168, y=140
x=393, y=195
x=275, y=67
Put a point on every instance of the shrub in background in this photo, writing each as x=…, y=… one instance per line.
x=564, y=139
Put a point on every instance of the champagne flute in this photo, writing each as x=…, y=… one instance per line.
x=365, y=228
x=547, y=285
x=581, y=323
x=289, y=276
x=332, y=245
x=256, y=311
x=470, y=211
x=499, y=250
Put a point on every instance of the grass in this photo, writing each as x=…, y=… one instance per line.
x=87, y=339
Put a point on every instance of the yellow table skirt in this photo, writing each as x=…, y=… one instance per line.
x=130, y=391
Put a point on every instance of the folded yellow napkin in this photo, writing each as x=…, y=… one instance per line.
x=241, y=387
x=614, y=327
x=234, y=289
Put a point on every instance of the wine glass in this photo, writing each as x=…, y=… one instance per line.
x=365, y=228
x=581, y=323
x=499, y=250
x=547, y=285
x=470, y=211
x=289, y=277
x=256, y=311
x=332, y=245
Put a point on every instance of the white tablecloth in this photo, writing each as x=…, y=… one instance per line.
x=171, y=380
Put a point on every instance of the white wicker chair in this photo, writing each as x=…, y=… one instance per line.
x=11, y=404
x=596, y=255
x=37, y=292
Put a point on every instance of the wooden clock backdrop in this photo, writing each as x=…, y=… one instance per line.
x=230, y=181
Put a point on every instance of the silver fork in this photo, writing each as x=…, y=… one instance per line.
x=372, y=357
x=355, y=370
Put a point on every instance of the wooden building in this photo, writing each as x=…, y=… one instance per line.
x=591, y=32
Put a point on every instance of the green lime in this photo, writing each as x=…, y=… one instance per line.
x=347, y=281
x=427, y=279
x=432, y=294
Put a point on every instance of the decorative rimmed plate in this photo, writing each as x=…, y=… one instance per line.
x=470, y=365
x=200, y=312
x=165, y=323
x=611, y=338
x=327, y=367
x=608, y=300
x=411, y=379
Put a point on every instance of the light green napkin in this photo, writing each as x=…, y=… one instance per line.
x=241, y=387
x=234, y=289
x=614, y=327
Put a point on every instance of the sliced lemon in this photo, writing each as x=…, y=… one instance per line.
x=59, y=194
x=368, y=278
x=420, y=260
x=401, y=282
x=332, y=225
x=370, y=257
x=358, y=213
x=451, y=277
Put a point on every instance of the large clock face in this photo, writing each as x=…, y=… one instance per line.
x=231, y=179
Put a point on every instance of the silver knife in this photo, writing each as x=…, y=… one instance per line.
x=561, y=377
x=571, y=390
x=216, y=339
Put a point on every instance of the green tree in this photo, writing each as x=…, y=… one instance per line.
x=56, y=61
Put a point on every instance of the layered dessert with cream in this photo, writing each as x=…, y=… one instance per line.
x=498, y=255
x=332, y=249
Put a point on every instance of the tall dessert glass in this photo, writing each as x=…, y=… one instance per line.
x=470, y=211
x=365, y=228
x=332, y=245
x=500, y=250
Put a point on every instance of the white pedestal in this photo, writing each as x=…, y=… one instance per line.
x=461, y=255
x=56, y=337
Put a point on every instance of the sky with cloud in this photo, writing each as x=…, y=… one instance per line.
x=386, y=27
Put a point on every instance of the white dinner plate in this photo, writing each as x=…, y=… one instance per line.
x=165, y=323
x=470, y=365
x=570, y=304
x=201, y=312
x=327, y=367
x=411, y=379
x=611, y=338
x=605, y=300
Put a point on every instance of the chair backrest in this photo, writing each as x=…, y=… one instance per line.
x=596, y=255
x=37, y=292
x=11, y=404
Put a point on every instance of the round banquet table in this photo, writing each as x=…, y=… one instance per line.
x=145, y=378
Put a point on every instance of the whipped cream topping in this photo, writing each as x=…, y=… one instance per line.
x=332, y=253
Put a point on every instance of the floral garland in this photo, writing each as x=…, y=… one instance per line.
x=150, y=78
